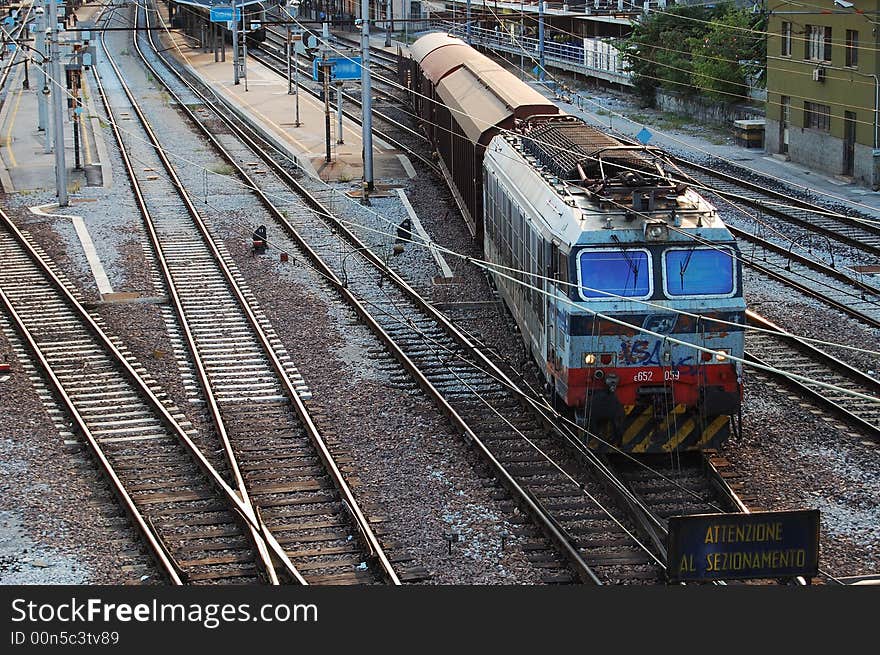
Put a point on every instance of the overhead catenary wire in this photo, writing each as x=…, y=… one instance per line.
x=429, y=244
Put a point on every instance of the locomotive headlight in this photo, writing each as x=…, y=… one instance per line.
x=589, y=359
x=722, y=355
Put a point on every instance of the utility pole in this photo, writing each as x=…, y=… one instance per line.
x=244, y=48
x=468, y=22
x=40, y=43
x=289, y=53
x=233, y=24
x=292, y=6
x=389, y=8
x=541, y=40
x=296, y=92
x=366, y=92
x=325, y=75
x=339, y=113
x=58, y=106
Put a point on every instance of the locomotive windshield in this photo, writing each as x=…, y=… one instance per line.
x=608, y=273
x=699, y=271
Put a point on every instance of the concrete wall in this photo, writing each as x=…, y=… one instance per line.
x=823, y=152
x=705, y=110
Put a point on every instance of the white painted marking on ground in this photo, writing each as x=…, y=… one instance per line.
x=88, y=245
x=407, y=166
x=441, y=262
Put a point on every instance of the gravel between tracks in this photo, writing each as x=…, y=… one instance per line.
x=425, y=482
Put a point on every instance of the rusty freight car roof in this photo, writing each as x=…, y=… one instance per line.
x=474, y=107
x=481, y=95
x=441, y=61
x=430, y=42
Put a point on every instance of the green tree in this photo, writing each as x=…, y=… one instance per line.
x=695, y=50
x=732, y=50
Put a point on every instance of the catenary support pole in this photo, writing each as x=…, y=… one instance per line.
x=339, y=138
x=366, y=92
x=289, y=53
x=325, y=76
x=58, y=98
x=541, y=40
x=40, y=43
x=234, y=25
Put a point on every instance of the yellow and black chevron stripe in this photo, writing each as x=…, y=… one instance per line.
x=642, y=432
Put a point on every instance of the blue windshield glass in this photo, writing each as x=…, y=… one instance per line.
x=619, y=273
x=699, y=272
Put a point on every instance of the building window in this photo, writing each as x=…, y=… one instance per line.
x=785, y=34
x=852, y=48
x=817, y=117
x=817, y=45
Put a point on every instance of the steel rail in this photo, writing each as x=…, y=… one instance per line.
x=796, y=203
x=533, y=505
x=802, y=288
x=154, y=541
x=165, y=416
x=7, y=70
x=870, y=383
x=301, y=410
x=278, y=50
x=148, y=394
x=279, y=56
x=214, y=410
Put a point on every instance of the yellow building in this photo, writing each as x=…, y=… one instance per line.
x=822, y=86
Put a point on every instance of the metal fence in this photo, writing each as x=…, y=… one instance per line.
x=597, y=57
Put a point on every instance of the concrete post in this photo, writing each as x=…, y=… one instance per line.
x=234, y=23
x=58, y=96
x=366, y=92
x=541, y=40
x=339, y=138
x=40, y=43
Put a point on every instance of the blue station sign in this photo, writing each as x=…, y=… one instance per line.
x=224, y=14
x=341, y=68
x=740, y=546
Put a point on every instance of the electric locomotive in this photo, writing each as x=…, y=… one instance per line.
x=624, y=282
x=630, y=290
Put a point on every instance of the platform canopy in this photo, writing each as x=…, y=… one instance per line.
x=208, y=4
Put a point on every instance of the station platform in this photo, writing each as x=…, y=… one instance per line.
x=263, y=98
x=27, y=164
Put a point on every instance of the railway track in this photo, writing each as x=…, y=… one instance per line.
x=810, y=277
x=786, y=352
x=860, y=235
x=572, y=500
x=190, y=520
x=278, y=461
x=274, y=58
